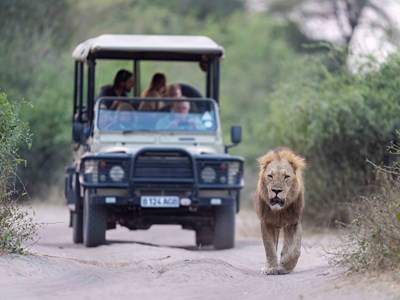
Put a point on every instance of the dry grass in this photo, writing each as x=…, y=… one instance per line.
x=373, y=237
x=18, y=230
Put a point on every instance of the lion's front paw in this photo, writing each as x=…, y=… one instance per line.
x=274, y=271
x=269, y=271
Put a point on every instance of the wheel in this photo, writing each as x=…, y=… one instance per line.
x=94, y=222
x=224, y=226
x=77, y=215
x=204, y=236
x=77, y=227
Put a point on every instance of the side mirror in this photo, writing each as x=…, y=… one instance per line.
x=236, y=134
x=236, y=137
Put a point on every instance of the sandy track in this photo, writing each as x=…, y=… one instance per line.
x=162, y=263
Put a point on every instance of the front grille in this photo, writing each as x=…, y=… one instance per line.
x=163, y=165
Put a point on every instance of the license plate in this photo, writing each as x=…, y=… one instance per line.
x=159, y=201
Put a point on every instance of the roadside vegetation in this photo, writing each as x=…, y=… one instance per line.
x=281, y=85
x=372, y=238
x=17, y=227
x=338, y=120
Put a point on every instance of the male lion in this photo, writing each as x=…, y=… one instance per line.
x=279, y=203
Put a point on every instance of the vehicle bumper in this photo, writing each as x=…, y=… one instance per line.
x=135, y=201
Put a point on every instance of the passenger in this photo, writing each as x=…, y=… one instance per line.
x=156, y=89
x=173, y=91
x=179, y=118
x=124, y=118
x=123, y=84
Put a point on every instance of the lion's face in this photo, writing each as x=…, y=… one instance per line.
x=280, y=178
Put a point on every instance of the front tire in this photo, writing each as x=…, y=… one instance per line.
x=77, y=227
x=94, y=222
x=224, y=226
x=77, y=215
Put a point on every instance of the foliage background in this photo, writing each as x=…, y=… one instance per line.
x=17, y=228
x=281, y=92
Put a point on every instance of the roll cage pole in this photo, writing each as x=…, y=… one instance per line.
x=212, y=89
x=91, y=83
x=75, y=95
x=80, y=95
x=136, y=77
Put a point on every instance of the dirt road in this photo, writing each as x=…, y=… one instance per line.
x=162, y=263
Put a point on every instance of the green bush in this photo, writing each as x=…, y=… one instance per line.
x=30, y=32
x=50, y=123
x=34, y=37
x=337, y=121
x=17, y=227
x=12, y=131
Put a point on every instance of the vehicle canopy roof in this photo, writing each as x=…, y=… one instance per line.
x=148, y=47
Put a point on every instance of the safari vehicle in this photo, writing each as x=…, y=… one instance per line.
x=131, y=168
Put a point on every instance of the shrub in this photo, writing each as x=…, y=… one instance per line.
x=18, y=230
x=49, y=121
x=337, y=120
x=34, y=36
x=374, y=235
x=17, y=227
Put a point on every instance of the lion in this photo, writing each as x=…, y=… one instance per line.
x=279, y=204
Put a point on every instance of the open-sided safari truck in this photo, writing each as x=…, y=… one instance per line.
x=147, y=172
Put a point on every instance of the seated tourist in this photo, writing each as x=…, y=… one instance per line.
x=123, y=84
x=156, y=89
x=179, y=118
x=124, y=118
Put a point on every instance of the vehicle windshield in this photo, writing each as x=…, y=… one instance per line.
x=168, y=114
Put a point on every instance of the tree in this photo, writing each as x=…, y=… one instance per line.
x=34, y=35
x=29, y=31
x=201, y=9
x=342, y=17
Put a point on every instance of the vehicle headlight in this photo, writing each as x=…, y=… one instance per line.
x=90, y=171
x=208, y=175
x=102, y=171
x=234, y=173
x=117, y=173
